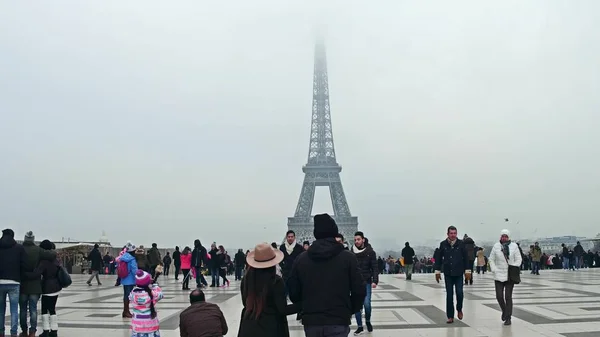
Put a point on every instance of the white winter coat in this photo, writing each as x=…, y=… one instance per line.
x=498, y=263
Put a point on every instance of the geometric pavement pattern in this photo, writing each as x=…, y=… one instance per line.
x=556, y=303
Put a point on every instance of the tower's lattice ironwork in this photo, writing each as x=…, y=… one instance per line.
x=322, y=168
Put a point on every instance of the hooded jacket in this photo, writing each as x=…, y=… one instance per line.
x=132, y=267
x=12, y=259
x=327, y=283
x=367, y=263
x=198, y=256
x=141, y=259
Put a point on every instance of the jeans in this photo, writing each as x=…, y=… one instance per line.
x=28, y=302
x=214, y=274
x=565, y=263
x=12, y=290
x=504, y=291
x=535, y=267
x=409, y=269
x=166, y=269
x=326, y=331
x=452, y=283
x=199, y=277
x=367, y=305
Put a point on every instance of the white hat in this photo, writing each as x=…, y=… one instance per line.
x=505, y=232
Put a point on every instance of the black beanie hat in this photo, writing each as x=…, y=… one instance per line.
x=325, y=227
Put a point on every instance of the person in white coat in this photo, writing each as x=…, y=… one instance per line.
x=503, y=254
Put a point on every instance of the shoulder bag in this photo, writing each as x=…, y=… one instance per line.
x=514, y=272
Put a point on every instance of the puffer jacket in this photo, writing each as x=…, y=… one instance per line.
x=498, y=264
x=367, y=263
x=536, y=254
x=132, y=267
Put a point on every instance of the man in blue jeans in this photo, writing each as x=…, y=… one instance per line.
x=452, y=259
x=367, y=264
x=12, y=262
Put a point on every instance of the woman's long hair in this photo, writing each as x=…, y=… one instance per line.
x=256, y=284
x=152, y=309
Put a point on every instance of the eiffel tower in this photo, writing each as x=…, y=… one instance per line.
x=322, y=168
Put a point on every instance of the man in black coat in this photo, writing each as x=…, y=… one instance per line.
x=12, y=265
x=177, y=262
x=240, y=261
x=95, y=258
x=408, y=254
x=367, y=264
x=214, y=265
x=198, y=258
x=452, y=260
x=291, y=250
x=326, y=280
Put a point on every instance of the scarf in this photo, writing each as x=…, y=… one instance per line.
x=452, y=242
x=289, y=248
x=505, y=249
x=357, y=250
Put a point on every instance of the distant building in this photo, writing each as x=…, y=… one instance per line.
x=553, y=245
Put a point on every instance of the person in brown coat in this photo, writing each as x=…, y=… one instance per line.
x=202, y=319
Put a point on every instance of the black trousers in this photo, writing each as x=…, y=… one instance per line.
x=177, y=271
x=223, y=274
x=166, y=269
x=49, y=304
x=186, y=278
x=504, y=291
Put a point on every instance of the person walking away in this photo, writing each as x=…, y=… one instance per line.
x=202, y=319
x=186, y=265
x=453, y=261
x=31, y=289
x=578, y=253
x=504, y=254
x=263, y=296
x=107, y=263
x=214, y=265
x=536, y=257
x=48, y=270
x=96, y=263
x=326, y=282
x=408, y=254
x=198, y=258
x=13, y=261
x=142, y=259
x=222, y=262
x=367, y=264
x=126, y=270
x=291, y=250
x=177, y=262
x=239, y=260
x=144, y=297
x=167, y=264
x=154, y=259
x=470, y=247
x=481, y=263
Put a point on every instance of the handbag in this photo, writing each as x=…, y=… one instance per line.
x=514, y=272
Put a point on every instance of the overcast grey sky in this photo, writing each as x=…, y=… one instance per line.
x=170, y=122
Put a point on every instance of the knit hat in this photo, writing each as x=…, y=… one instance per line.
x=325, y=227
x=505, y=232
x=130, y=246
x=29, y=237
x=142, y=278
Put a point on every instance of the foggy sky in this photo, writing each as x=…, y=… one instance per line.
x=164, y=123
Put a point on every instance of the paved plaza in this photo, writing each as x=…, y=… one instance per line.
x=556, y=303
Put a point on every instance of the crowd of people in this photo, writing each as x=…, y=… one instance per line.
x=323, y=283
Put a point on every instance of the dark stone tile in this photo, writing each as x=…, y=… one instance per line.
x=582, y=334
x=102, y=315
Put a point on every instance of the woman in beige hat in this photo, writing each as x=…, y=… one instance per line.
x=263, y=296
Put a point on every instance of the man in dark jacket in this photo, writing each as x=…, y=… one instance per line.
x=154, y=259
x=202, y=319
x=240, y=262
x=95, y=258
x=214, y=265
x=408, y=254
x=367, y=264
x=291, y=250
x=327, y=282
x=578, y=252
x=13, y=262
x=470, y=247
x=167, y=263
x=452, y=260
x=31, y=290
x=198, y=258
x=177, y=262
